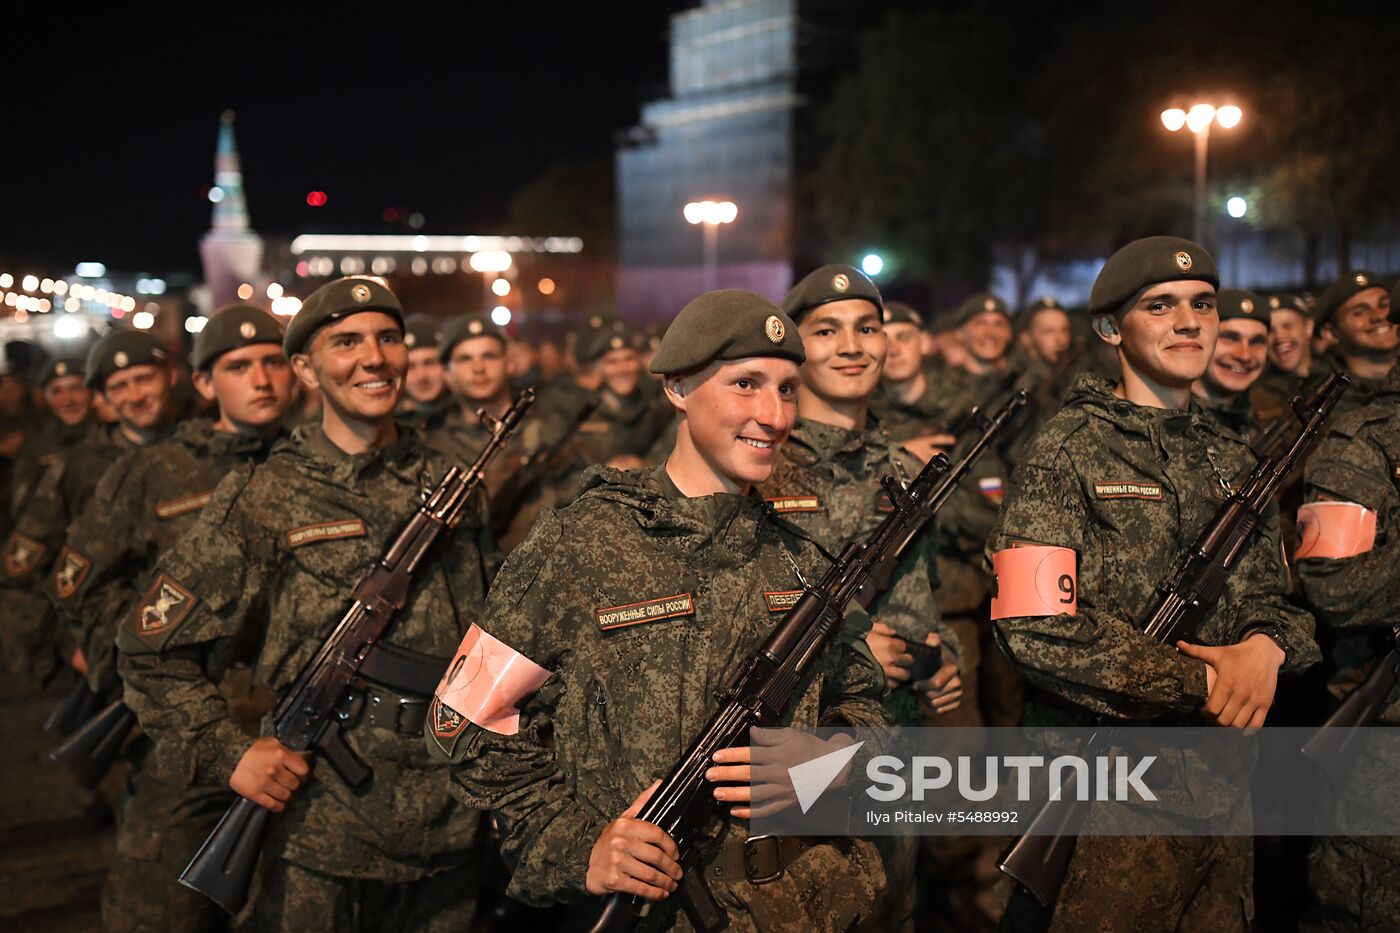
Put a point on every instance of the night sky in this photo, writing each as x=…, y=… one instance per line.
x=108, y=131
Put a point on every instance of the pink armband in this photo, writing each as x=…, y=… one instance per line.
x=1335, y=529
x=487, y=680
x=1035, y=581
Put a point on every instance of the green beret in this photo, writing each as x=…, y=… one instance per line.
x=57, y=369
x=1342, y=290
x=727, y=325
x=828, y=284
x=982, y=301
x=1237, y=304
x=421, y=331
x=1043, y=303
x=122, y=349
x=596, y=341
x=1287, y=301
x=231, y=328
x=336, y=300
x=1147, y=262
x=465, y=327
x=943, y=322
x=897, y=312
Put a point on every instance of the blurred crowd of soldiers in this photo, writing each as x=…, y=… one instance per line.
x=181, y=533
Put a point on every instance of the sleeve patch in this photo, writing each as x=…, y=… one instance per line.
x=164, y=606
x=782, y=600
x=174, y=508
x=70, y=573
x=1034, y=581
x=1335, y=529
x=22, y=555
x=325, y=531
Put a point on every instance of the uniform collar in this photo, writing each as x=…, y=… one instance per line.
x=315, y=453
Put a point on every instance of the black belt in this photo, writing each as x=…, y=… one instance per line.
x=757, y=859
x=385, y=709
x=401, y=669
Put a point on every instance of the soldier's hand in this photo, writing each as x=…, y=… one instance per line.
x=268, y=774
x=942, y=691
x=1240, y=679
x=79, y=661
x=761, y=785
x=888, y=649
x=633, y=856
x=926, y=445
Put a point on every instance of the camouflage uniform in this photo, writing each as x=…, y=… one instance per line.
x=144, y=502
x=36, y=647
x=1357, y=879
x=273, y=556
x=903, y=420
x=1235, y=414
x=624, y=700
x=827, y=482
x=51, y=442
x=1128, y=488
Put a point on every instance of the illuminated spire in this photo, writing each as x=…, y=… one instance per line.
x=231, y=210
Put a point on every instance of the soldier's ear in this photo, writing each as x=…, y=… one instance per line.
x=1107, y=328
x=203, y=384
x=675, y=388
x=301, y=365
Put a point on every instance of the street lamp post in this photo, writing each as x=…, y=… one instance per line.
x=1198, y=120
x=711, y=214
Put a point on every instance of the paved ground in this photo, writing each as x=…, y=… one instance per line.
x=52, y=859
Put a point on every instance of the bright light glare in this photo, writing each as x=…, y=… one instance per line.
x=710, y=212
x=286, y=306
x=500, y=315
x=143, y=320
x=195, y=323
x=1174, y=119
x=501, y=287
x=245, y=291
x=30, y=283
x=872, y=264
x=1236, y=207
x=216, y=194
x=546, y=286
x=1199, y=117
x=69, y=328
x=274, y=291
x=72, y=304
x=491, y=260
x=6, y=280
x=90, y=270
x=1229, y=116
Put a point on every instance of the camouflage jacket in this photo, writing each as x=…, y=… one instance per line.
x=1359, y=461
x=34, y=646
x=903, y=420
x=51, y=442
x=275, y=554
x=1235, y=414
x=144, y=502
x=1358, y=394
x=1128, y=488
x=703, y=580
x=827, y=482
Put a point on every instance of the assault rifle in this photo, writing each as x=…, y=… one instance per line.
x=506, y=501
x=769, y=679
x=76, y=707
x=90, y=751
x=307, y=719
x=1040, y=857
x=1333, y=748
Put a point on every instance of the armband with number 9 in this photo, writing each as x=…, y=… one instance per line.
x=1035, y=581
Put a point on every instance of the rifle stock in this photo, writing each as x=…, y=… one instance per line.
x=90, y=751
x=1039, y=861
x=768, y=679
x=77, y=707
x=1333, y=748
x=305, y=719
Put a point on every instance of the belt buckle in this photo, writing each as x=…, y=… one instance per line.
x=763, y=860
x=414, y=706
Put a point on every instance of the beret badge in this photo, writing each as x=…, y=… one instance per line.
x=1183, y=261
x=841, y=282
x=120, y=358
x=248, y=329
x=360, y=293
x=774, y=327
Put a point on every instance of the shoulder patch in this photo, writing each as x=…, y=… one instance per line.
x=649, y=610
x=992, y=487
x=325, y=531
x=22, y=554
x=785, y=504
x=447, y=723
x=174, y=508
x=1128, y=491
x=70, y=572
x=163, y=607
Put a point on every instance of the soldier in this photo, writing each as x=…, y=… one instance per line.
x=472, y=351
x=827, y=482
x=910, y=399
x=1045, y=333
x=1291, y=362
x=1348, y=565
x=1237, y=363
x=143, y=503
x=132, y=371
x=426, y=399
x=272, y=558
x=68, y=401
x=1353, y=314
x=636, y=603
x=1114, y=488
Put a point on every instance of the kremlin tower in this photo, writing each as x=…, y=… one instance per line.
x=231, y=252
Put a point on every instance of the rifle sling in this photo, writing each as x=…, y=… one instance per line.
x=403, y=669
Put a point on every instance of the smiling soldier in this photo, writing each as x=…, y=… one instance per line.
x=619, y=618
x=272, y=560
x=1237, y=363
x=1112, y=490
